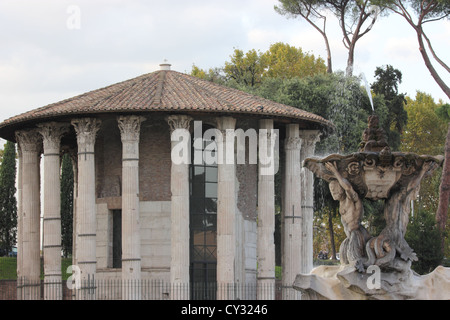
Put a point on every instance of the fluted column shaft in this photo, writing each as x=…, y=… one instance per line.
x=292, y=213
x=309, y=139
x=226, y=211
x=179, y=186
x=130, y=127
x=86, y=130
x=266, y=219
x=30, y=145
x=19, y=220
x=51, y=133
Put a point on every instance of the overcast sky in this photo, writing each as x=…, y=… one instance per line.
x=56, y=49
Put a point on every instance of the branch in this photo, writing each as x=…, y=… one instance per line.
x=442, y=63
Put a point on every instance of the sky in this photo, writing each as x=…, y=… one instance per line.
x=55, y=49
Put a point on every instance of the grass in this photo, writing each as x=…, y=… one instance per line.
x=8, y=268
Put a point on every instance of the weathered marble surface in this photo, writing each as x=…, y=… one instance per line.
x=345, y=283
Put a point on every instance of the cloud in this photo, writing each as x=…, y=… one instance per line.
x=401, y=48
x=42, y=58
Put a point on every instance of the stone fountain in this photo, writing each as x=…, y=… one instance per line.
x=374, y=267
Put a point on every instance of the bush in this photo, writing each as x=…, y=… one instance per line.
x=424, y=237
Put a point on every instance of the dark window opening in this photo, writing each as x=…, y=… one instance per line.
x=117, y=239
x=203, y=227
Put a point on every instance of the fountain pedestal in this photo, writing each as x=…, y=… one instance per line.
x=345, y=283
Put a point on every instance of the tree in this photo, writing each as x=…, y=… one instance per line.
x=386, y=84
x=8, y=204
x=424, y=132
x=425, y=12
x=425, y=238
x=310, y=11
x=285, y=61
x=356, y=19
x=66, y=204
x=443, y=113
x=213, y=74
x=245, y=69
x=279, y=61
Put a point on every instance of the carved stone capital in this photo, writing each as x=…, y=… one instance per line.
x=51, y=133
x=29, y=140
x=130, y=127
x=310, y=137
x=178, y=122
x=292, y=143
x=86, y=129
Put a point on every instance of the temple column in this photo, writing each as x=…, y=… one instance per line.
x=179, y=186
x=291, y=218
x=86, y=130
x=309, y=140
x=51, y=133
x=226, y=211
x=30, y=145
x=266, y=216
x=19, y=220
x=130, y=127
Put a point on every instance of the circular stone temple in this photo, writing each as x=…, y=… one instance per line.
x=138, y=215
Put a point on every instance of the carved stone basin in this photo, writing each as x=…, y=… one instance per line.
x=372, y=174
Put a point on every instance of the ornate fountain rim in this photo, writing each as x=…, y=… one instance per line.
x=360, y=167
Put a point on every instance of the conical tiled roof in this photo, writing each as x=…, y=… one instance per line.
x=163, y=91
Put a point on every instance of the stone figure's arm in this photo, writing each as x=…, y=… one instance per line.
x=416, y=181
x=345, y=184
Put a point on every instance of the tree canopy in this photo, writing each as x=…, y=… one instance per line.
x=8, y=204
x=356, y=18
x=417, y=13
x=248, y=69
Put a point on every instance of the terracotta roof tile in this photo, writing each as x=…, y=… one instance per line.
x=163, y=91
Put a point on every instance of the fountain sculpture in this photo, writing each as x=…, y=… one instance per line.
x=374, y=267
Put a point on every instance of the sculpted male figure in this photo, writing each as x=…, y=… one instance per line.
x=351, y=209
x=383, y=249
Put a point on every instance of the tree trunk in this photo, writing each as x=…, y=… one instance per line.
x=428, y=64
x=329, y=65
x=444, y=189
x=349, y=70
x=330, y=228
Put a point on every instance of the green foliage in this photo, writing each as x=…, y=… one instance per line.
x=285, y=61
x=335, y=97
x=425, y=133
x=249, y=69
x=443, y=112
x=8, y=204
x=424, y=237
x=66, y=204
x=433, y=9
x=386, y=84
x=246, y=69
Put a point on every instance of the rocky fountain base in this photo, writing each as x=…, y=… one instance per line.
x=374, y=267
x=346, y=283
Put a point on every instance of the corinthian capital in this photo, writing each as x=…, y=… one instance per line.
x=86, y=129
x=51, y=133
x=130, y=127
x=29, y=140
x=178, y=122
x=310, y=137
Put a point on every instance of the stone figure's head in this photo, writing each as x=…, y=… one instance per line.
x=337, y=192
